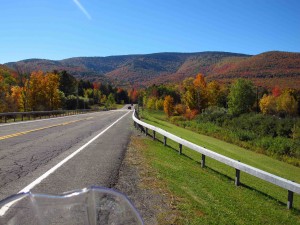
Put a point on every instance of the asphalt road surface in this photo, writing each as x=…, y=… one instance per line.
x=62, y=154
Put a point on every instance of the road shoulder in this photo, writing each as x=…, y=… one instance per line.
x=138, y=181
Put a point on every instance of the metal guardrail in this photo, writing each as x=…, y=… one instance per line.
x=4, y=117
x=291, y=186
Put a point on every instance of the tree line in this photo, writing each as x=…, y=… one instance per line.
x=194, y=95
x=38, y=91
x=266, y=121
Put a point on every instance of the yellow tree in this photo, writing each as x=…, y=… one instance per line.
x=51, y=83
x=25, y=95
x=36, y=95
x=151, y=103
x=169, y=105
x=201, y=91
x=287, y=103
x=188, y=93
x=267, y=104
x=213, y=93
x=17, y=100
x=159, y=104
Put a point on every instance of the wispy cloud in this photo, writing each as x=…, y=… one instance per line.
x=82, y=9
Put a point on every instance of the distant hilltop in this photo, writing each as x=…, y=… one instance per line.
x=267, y=69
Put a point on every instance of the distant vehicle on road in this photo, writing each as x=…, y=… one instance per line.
x=129, y=107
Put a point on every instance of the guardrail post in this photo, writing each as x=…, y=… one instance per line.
x=290, y=199
x=165, y=141
x=180, y=149
x=237, y=177
x=203, y=161
x=154, y=135
x=146, y=131
x=14, y=118
x=22, y=117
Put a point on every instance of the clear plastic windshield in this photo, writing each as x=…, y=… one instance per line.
x=88, y=206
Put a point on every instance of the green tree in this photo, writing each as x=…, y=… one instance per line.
x=97, y=96
x=241, y=97
x=122, y=95
x=67, y=83
x=110, y=102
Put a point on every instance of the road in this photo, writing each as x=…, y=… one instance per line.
x=62, y=154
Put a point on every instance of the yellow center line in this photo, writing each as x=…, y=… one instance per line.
x=41, y=128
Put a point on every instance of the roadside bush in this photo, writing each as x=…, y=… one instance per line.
x=71, y=102
x=279, y=146
x=159, y=104
x=282, y=146
x=284, y=127
x=215, y=115
x=177, y=119
x=190, y=114
x=271, y=135
x=179, y=109
x=208, y=128
x=245, y=135
x=264, y=143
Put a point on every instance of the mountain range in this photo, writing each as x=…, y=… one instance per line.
x=267, y=69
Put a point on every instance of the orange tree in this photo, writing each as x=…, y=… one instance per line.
x=169, y=105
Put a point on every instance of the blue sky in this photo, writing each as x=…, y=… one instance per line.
x=58, y=29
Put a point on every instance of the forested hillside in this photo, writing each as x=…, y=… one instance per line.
x=266, y=69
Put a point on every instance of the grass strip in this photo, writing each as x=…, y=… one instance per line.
x=263, y=194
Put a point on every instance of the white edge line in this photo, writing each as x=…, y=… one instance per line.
x=50, y=171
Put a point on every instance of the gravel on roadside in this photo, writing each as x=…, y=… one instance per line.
x=138, y=182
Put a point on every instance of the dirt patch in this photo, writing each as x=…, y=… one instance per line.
x=139, y=182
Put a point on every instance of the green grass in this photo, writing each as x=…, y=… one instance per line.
x=209, y=195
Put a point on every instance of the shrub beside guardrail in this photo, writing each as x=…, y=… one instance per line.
x=290, y=186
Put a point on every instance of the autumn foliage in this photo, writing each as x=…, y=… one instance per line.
x=190, y=114
x=169, y=105
x=38, y=91
x=279, y=103
x=195, y=95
